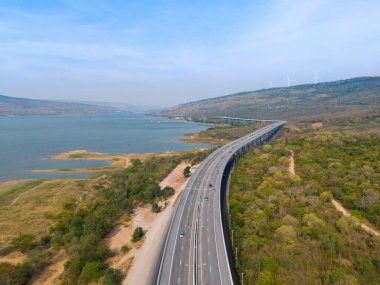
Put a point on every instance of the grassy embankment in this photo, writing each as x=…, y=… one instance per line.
x=39, y=218
x=285, y=227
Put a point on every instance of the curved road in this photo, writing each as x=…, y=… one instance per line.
x=195, y=248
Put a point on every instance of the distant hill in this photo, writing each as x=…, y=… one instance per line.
x=12, y=106
x=122, y=106
x=291, y=102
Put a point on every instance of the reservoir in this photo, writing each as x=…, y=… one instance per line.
x=26, y=142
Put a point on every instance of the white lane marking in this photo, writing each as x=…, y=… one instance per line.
x=180, y=218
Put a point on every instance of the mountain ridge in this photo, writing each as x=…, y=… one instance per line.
x=288, y=102
x=17, y=106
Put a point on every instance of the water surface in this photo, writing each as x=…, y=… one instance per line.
x=26, y=142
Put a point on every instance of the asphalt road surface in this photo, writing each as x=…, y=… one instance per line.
x=194, y=250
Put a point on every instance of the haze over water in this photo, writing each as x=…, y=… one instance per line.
x=27, y=142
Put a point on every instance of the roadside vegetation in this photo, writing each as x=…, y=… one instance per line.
x=284, y=226
x=82, y=221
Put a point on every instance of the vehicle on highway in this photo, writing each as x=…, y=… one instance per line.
x=182, y=234
x=206, y=198
x=210, y=185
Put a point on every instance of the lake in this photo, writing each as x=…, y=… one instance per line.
x=26, y=142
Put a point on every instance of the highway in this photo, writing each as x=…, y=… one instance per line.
x=196, y=250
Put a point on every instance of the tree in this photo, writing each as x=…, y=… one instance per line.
x=186, y=171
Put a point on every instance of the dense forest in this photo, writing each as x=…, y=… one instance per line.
x=284, y=226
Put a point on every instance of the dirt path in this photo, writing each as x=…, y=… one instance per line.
x=50, y=275
x=346, y=213
x=14, y=201
x=291, y=164
x=14, y=257
x=145, y=257
x=336, y=204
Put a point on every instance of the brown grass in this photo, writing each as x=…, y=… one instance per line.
x=25, y=206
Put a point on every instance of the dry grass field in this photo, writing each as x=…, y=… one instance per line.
x=26, y=206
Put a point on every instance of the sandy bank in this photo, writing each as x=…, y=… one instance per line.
x=138, y=261
x=145, y=257
x=118, y=161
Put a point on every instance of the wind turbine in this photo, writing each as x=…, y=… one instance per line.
x=289, y=82
x=270, y=84
x=316, y=77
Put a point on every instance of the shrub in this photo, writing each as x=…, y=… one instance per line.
x=92, y=271
x=111, y=277
x=290, y=221
x=73, y=269
x=138, y=233
x=45, y=240
x=186, y=171
x=125, y=248
x=265, y=278
x=312, y=221
x=15, y=274
x=167, y=192
x=347, y=224
x=347, y=280
x=269, y=264
x=24, y=243
x=267, y=148
x=155, y=208
x=286, y=234
x=326, y=196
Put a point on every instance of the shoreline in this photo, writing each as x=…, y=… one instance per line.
x=116, y=161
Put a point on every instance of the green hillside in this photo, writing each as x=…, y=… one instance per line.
x=291, y=102
x=285, y=226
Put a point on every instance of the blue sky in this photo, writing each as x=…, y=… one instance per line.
x=167, y=52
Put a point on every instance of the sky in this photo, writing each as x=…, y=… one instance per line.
x=163, y=52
